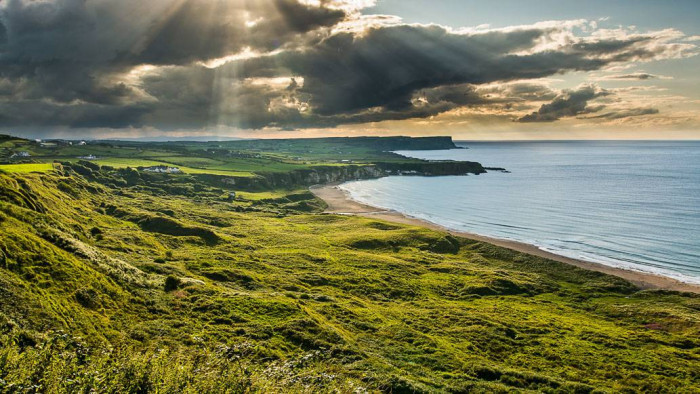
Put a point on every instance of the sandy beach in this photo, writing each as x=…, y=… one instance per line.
x=340, y=203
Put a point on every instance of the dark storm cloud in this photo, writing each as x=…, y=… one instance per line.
x=3, y=37
x=569, y=103
x=67, y=47
x=69, y=55
x=27, y=114
x=200, y=30
x=386, y=66
x=346, y=75
x=197, y=96
x=81, y=63
x=302, y=18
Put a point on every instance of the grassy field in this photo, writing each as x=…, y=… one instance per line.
x=239, y=163
x=25, y=168
x=116, y=280
x=239, y=156
x=141, y=289
x=167, y=161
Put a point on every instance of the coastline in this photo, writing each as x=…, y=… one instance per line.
x=339, y=202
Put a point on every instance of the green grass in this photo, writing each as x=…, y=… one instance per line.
x=190, y=170
x=119, y=162
x=25, y=168
x=266, y=195
x=121, y=281
x=265, y=297
x=235, y=158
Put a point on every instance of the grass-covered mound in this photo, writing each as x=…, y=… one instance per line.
x=113, y=282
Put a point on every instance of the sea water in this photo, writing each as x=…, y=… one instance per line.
x=633, y=205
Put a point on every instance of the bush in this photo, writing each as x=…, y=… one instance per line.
x=449, y=244
x=168, y=226
x=89, y=298
x=68, y=189
x=171, y=283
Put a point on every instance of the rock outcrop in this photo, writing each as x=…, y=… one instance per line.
x=330, y=174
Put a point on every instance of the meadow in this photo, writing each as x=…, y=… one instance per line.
x=236, y=159
x=116, y=280
x=26, y=168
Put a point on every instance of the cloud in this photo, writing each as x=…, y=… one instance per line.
x=519, y=92
x=71, y=49
x=568, y=103
x=382, y=69
x=32, y=114
x=174, y=64
x=626, y=113
x=633, y=77
x=209, y=29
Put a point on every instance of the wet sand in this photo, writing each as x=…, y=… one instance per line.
x=340, y=203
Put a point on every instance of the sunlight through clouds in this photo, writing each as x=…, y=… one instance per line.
x=314, y=65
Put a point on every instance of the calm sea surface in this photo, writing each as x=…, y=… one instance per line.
x=634, y=205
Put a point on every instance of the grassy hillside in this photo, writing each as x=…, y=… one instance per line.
x=233, y=158
x=117, y=282
x=24, y=168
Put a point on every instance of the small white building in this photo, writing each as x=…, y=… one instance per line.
x=20, y=154
x=163, y=170
x=88, y=157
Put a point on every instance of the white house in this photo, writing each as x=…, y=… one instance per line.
x=163, y=170
x=20, y=154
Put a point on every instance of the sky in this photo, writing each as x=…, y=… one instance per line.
x=476, y=70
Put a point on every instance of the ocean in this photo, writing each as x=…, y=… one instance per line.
x=632, y=205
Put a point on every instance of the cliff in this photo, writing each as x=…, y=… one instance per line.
x=432, y=168
x=335, y=144
x=329, y=174
x=126, y=281
x=394, y=143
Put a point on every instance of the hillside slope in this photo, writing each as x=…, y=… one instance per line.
x=114, y=284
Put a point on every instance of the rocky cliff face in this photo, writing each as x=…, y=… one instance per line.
x=432, y=168
x=395, y=143
x=329, y=174
x=298, y=178
x=377, y=144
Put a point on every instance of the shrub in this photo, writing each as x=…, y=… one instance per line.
x=68, y=189
x=87, y=297
x=449, y=244
x=164, y=225
x=171, y=283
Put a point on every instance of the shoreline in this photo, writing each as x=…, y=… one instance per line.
x=339, y=202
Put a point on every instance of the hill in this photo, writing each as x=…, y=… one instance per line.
x=119, y=280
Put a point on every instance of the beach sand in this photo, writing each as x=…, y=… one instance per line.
x=340, y=203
